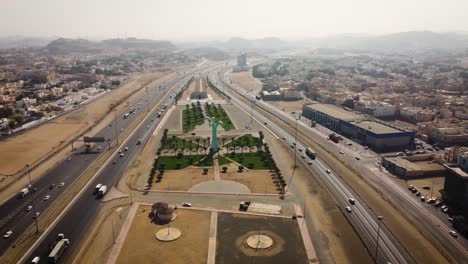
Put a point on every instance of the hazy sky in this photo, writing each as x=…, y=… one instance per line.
x=208, y=19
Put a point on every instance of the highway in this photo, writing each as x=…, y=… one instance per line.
x=362, y=218
x=433, y=227
x=80, y=215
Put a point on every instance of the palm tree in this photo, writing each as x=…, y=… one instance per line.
x=198, y=143
x=234, y=144
x=190, y=144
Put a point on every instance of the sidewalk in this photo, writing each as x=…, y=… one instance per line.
x=122, y=235
x=309, y=247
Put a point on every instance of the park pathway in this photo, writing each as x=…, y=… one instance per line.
x=212, y=240
x=217, y=175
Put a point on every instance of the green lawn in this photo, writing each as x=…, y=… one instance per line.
x=170, y=162
x=221, y=115
x=179, y=143
x=246, y=141
x=209, y=162
x=192, y=117
x=258, y=160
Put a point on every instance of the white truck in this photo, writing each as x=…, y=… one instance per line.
x=24, y=192
x=60, y=245
x=102, y=191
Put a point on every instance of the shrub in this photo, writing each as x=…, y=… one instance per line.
x=224, y=168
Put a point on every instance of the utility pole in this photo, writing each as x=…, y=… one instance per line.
x=295, y=155
x=35, y=215
x=115, y=126
x=29, y=174
x=378, y=236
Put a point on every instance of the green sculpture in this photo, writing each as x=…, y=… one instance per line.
x=214, y=123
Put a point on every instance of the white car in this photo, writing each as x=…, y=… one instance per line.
x=29, y=208
x=121, y=154
x=61, y=184
x=126, y=148
x=348, y=209
x=36, y=215
x=328, y=171
x=8, y=234
x=309, y=162
x=46, y=197
x=187, y=205
x=453, y=233
x=341, y=152
x=303, y=156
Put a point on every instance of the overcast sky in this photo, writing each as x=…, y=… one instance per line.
x=210, y=19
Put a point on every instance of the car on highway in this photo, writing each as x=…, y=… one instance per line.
x=36, y=215
x=292, y=146
x=69, y=158
x=453, y=233
x=126, y=148
x=121, y=154
x=309, y=162
x=349, y=144
x=35, y=260
x=300, y=149
x=358, y=158
x=445, y=210
x=147, y=126
x=51, y=186
x=46, y=197
x=303, y=156
x=114, y=162
x=423, y=198
x=450, y=219
x=328, y=171
x=352, y=201
x=8, y=234
x=341, y=152
x=61, y=184
x=187, y=204
x=28, y=208
x=284, y=138
x=348, y=209
x=121, y=129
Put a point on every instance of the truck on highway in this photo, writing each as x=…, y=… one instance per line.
x=310, y=153
x=58, y=248
x=24, y=192
x=333, y=137
x=102, y=191
x=96, y=189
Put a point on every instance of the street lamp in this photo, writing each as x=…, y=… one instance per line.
x=380, y=218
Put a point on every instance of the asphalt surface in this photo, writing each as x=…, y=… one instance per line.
x=76, y=221
x=364, y=221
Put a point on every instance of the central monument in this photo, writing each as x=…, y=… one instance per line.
x=214, y=123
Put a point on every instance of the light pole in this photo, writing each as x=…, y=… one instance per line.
x=115, y=126
x=380, y=218
x=295, y=154
x=29, y=174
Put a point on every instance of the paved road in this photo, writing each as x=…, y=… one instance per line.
x=82, y=213
x=362, y=218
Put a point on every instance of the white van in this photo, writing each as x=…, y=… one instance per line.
x=36, y=260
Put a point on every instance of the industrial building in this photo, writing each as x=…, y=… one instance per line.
x=378, y=136
x=456, y=194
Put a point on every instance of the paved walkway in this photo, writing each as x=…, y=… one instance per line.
x=309, y=247
x=212, y=240
x=122, y=235
x=220, y=187
x=217, y=176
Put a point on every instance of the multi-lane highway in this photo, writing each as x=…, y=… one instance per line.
x=434, y=227
x=361, y=217
x=13, y=213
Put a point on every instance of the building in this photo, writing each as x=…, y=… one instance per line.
x=271, y=96
x=242, y=60
x=416, y=114
x=412, y=167
x=448, y=136
x=463, y=161
x=290, y=95
x=376, y=135
x=456, y=196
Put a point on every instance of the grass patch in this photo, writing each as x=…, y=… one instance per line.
x=209, y=162
x=192, y=116
x=179, y=143
x=245, y=141
x=177, y=163
x=217, y=111
x=255, y=161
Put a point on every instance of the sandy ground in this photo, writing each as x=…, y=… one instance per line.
x=257, y=181
x=289, y=106
x=244, y=80
x=191, y=247
x=106, y=232
x=436, y=184
x=182, y=180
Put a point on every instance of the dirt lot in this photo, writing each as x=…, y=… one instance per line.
x=191, y=247
x=257, y=181
x=233, y=229
x=289, y=106
x=182, y=180
x=244, y=80
x=436, y=184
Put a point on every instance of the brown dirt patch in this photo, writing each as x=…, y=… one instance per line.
x=289, y=106
x=182, y=180
x=244, y=80
x=141, y=246
x=257, y=181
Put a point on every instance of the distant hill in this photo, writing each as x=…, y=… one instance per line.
x=63, y=45
x=207, y=52
x=23, y=42
x=404, y=41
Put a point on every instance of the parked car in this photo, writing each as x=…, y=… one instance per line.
x=187, y=204
x=453, y=233
x=426, y=187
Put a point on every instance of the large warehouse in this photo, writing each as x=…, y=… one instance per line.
x=376, y=135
